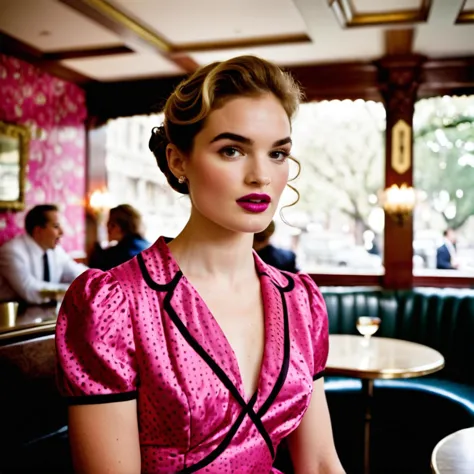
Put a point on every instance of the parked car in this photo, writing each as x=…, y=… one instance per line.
x=316, y=250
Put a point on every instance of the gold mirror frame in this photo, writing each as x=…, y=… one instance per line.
x=23, y=135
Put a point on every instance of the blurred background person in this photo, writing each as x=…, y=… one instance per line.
x=124, y=227
x=446, y=255
x=279, y=258
x=35, y=262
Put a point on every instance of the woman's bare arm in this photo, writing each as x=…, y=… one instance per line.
x=104, y=438
x=311, y=444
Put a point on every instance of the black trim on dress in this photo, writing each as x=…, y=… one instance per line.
x=152, y=283
x=212, y=456
x=247, y=408
x=214, y=365
x=98, y=399
x=318, y=375
x=286, y=359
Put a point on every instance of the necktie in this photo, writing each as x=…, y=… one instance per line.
x=46, y=276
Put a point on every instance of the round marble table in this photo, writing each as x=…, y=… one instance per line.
x=380, y=358
x=454, y=454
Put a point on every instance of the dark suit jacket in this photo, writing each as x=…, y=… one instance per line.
x=443, y=258
x=279, y=258
x=127, y=248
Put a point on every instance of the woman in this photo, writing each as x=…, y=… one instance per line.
x=196, y=356
x=283, y=259
x=124, y=227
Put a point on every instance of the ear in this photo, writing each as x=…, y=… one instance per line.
x=176, y=161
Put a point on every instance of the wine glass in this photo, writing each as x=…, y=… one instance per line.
x=367, y=326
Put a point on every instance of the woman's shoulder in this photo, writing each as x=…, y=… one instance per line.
x=94, y=288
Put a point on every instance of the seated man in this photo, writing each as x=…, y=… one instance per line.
x=278, y=258
x=33, y=262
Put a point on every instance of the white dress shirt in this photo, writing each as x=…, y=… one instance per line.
x=21, y=270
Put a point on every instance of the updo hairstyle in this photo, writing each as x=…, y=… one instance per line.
x=208, y=89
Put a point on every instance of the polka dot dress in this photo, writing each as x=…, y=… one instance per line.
x=141, y=331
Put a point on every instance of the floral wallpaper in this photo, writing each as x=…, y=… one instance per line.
x=54, y=111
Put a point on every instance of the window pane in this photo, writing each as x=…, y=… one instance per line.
x=444, y=177
x=337, y=226
x=133, y=177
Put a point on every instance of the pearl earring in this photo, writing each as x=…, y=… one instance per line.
x=181, y=179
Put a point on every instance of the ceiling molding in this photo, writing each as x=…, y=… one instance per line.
x=216, y=45
x=465, y=16
x=86, y=53
x=399, y=41
x=348, y=17
x=13, y=47
x=132, y=33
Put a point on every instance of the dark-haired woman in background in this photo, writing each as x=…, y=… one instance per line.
x=282, y=259
x=124, y=227
x=196, y=356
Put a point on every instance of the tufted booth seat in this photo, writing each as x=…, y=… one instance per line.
x=410, y=415
x=33, y=416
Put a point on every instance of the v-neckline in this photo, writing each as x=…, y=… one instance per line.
x=235, y=362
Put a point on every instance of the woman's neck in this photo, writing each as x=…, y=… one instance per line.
x=205, y=250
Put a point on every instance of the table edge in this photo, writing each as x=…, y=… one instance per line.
x=438, y=446
x=385, y=373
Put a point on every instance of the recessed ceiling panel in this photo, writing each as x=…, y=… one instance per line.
x=385, y=6
x=442, y=36
x=123, y=66
x=359, y=45
x=185, y=21
x=51, y=26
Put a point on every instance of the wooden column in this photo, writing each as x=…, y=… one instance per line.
x=399, y=80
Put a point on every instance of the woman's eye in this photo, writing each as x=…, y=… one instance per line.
x=230, y=152
x=280, y=155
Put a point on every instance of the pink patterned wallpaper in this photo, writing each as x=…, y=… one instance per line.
x=55, y=112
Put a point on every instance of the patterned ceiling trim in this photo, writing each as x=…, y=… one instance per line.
x=117, y=15
x=348, y=17
x=465, y=16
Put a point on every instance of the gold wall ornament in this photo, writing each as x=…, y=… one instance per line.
x=401, y=147
x=14, y=150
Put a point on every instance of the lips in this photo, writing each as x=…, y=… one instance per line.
x=254, y=202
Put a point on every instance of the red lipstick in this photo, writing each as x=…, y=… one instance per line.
x=254, y=202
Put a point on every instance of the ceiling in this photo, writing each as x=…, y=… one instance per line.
x=115, y=40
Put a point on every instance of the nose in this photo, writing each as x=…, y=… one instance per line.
x=257, y=173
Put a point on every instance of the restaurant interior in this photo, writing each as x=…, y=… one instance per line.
x=401, y=401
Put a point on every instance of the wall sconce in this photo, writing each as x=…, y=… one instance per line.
x=399, y=202
x=99, y=202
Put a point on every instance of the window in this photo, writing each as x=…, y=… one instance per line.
x=337, y=226
x=444, y=177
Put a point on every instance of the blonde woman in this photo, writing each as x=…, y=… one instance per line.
x=196, y=356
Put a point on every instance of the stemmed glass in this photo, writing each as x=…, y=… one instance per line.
x=367, y=326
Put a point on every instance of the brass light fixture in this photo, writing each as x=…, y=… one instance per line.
x=398, y=202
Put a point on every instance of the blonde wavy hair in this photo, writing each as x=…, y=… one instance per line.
x=209, y=88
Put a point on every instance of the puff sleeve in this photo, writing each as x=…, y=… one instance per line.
x=94, y=342
x=319, y=326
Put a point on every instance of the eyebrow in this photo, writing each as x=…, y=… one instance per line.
x=245, y=140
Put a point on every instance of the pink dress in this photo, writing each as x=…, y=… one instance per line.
x=141, y=331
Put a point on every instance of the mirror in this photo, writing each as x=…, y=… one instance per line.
x=14, y=145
